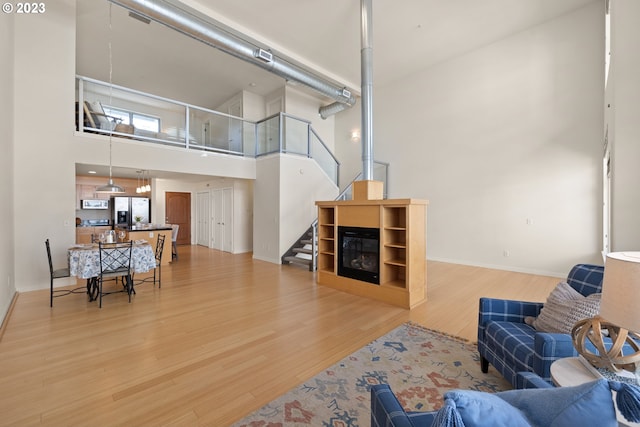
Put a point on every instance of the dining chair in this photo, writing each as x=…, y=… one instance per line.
x=174, y=238
x=159, y=249
x=115, y=261
x=56, y=273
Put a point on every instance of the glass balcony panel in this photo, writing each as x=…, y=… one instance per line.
x=249, y=139
x=324, y=158
x=295, y=136
x=216, y=131
x=268, y=136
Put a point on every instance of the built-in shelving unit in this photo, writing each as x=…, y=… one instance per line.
x=402, y=224
x=394, y=242
x=326, y=239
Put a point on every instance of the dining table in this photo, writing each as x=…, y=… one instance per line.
x=84, y=262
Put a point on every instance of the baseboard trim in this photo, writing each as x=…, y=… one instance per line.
x=7, y=315
x=501, y=267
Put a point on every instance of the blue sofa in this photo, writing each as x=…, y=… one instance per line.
x=511, y=346
x=586, y=405
x=386, y=410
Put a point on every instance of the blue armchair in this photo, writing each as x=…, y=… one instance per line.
x=511, y=346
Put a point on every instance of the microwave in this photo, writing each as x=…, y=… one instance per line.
x=95, y=204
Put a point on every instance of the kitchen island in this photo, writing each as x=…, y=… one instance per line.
x=150, y=233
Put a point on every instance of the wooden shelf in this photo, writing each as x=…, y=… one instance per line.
x=326, y=239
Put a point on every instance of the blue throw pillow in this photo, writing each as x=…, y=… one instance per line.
x=586, y=405
x=479, y=409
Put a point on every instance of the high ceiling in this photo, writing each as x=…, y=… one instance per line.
x=408, y=36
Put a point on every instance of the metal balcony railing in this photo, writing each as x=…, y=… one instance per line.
x=128, y=113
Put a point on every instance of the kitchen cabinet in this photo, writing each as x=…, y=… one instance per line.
x=88, y=192
x=86, y=188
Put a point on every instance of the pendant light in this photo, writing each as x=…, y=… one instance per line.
x=147, y=188
x=110, y=187
x=138, y=187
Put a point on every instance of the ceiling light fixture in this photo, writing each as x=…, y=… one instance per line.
x=145, y=187
x=110, y=187
x=138, y=187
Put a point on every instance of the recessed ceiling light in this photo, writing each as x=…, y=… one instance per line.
x=92, y=172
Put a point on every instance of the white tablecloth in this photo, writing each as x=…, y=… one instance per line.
x=84, y=260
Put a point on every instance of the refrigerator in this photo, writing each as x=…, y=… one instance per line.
x=126, y=209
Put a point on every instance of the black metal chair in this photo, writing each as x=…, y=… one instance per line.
x=56, y=273
x=159, y=249
x=115, y=261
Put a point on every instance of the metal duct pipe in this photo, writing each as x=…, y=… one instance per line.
x=331, y=109
x=366, y=59
x=194, y=24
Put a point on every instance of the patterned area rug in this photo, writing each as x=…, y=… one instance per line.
x=419, y=364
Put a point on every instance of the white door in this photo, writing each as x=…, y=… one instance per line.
x=203, y=217
x=222, y=219
x=227, y=230
x=216, y=218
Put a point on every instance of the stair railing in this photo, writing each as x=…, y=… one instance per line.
x=380, y=173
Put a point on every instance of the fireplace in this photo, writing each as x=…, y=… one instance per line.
x=359, y=253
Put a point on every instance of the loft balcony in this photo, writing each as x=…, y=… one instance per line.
x=122, y=112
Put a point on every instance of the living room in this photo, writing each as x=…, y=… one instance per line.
x=505, y=141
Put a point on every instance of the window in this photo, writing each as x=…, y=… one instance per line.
x=140, y=121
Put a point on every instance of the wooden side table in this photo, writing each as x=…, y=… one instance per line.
x=571, y=371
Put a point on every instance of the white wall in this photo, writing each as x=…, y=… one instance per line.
x=302, y=183
x=266, y=202
x=303, y=105
x=505, y=142
x=624, y=124
x=242, y=216
x=7, y=270
x=348, y=151
x=282, y=216
x=44, y=168
x=242, y=210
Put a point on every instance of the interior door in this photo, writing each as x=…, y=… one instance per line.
x=178, y=211
x=217, y=219
x=203, y=217
x=227, y=230
x=222, y=219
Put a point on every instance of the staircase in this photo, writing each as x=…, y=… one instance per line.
x=302, y=252
x=305, y=250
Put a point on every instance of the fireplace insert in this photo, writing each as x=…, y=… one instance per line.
x=359, y=253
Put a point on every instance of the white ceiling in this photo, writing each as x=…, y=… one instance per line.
x=408, y=36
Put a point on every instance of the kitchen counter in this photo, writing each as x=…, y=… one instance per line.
x=144, y=227
x=150, y=233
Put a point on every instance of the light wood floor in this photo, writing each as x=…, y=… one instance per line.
x=225, y=335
